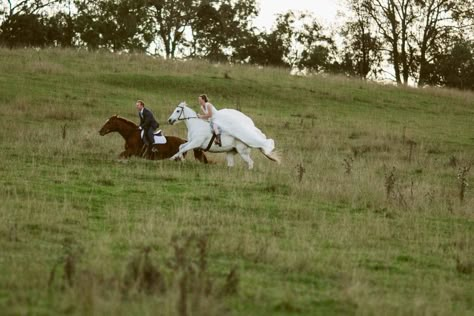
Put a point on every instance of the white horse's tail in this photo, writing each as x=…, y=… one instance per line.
x=267, y=150
x=268, y=146
x=274, y=156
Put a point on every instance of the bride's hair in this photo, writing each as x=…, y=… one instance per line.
x=204, y=97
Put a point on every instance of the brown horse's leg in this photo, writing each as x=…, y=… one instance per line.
x=200, y=156
x=146, y=152
x=149, y=152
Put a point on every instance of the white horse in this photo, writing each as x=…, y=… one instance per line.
x=200, y=135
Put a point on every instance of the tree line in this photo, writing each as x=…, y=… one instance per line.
x=428, y=42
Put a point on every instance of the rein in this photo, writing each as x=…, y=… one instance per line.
x=184, y=118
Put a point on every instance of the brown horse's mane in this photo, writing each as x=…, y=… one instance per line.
x=128, y=122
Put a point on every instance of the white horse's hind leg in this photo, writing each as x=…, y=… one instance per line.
x=230, y=158
x=244, y=152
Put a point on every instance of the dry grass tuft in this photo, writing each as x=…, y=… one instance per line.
x=68, y=261
x=64, y=130
x=231, y=283
x=300, y=172
x=463, y=183
x=348, y=162
x=411, y=144
x=142, y=275
x=464, y=266
x=453, y=161
x=390, y=180
x=184, y=278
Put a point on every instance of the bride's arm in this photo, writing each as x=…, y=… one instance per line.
x=209, y=112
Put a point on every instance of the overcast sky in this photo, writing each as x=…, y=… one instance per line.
x=324, y=10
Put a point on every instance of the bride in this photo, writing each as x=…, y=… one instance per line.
x=209, y=110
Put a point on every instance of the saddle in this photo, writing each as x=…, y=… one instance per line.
x=158, y=136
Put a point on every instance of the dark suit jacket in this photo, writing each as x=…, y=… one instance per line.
x=148, y=121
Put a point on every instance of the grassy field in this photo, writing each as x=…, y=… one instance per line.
x=369, y=213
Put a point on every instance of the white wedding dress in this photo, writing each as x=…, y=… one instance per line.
x=242, y=127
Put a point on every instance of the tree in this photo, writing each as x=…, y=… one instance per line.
x=25, y=23
x=361, y=48
x=411, y=31
x=221, y=27
x=394, y=19
x=275, y=47
x=296, y=40
x=23, y=30
x=314, y=49
x=60, y=30
x=28, y=6
x=171, y=19
x=267, y=48
x=439, y=19
x=455, y=68
x=113, y=24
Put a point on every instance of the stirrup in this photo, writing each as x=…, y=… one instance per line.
x=144, y=150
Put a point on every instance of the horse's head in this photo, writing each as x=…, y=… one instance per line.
x=110, y=126
x=178, y=113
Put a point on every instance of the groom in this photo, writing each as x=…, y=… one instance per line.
x=147, y=123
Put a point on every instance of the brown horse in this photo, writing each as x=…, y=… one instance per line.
x=134, y=145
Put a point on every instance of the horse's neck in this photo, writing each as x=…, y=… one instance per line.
x=127, y=129
x=190, y=115
x=189, y=112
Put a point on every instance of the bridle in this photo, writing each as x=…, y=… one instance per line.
x=182, y=113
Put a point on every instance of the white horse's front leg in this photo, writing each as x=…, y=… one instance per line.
x=184, y=148
x=181, y=156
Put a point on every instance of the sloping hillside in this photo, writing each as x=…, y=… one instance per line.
x=370, y=211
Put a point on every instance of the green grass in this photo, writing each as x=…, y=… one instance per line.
x=332, y=240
